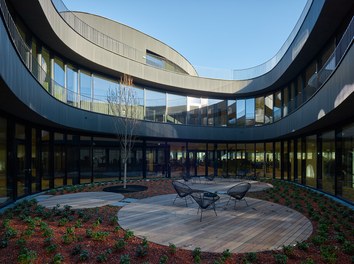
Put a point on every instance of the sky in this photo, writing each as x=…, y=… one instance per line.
x=223, y=34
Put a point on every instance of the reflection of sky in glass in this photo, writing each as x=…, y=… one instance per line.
x=102, y=87
x=71, y=79
x=155, y=98
x=176, y=100
x=85, y=85
x=250, y=108
x=240, y=108
x=59, y=75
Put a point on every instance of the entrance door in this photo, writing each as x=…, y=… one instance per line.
x=197, y=163
x=23, y=170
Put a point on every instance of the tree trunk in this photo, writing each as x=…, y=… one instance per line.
x=125, y=175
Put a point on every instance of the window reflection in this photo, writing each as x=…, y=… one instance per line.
x=155, y=103
x=277, y=106
x=259, y=111
x=231, y=112
x=328, y=161
x=101, y=88
x=240, y=112
x=176, y=109
x=85, y=90
x=250, y=105
x=268, y=113
x=71, y=85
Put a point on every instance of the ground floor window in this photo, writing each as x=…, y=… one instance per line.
x=34, y=159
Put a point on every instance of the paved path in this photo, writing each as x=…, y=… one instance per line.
x=260, y=226
x=80, y=200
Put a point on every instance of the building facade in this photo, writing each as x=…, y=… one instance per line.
x=290, y=118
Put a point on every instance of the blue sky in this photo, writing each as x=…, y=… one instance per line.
x=224, y=34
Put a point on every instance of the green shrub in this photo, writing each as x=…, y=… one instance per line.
x=113, y=220
x=58, y=258
x=51, y=248
x=348, y=247
x=250, y=257
x=128, y=234
x=26, y=256
x=125, y=259
x=281, y=259
x=288, y=250
x=163, y=259
x=328, y=253
x=308, y=261
x=172, y=248
x=141, y=251
x=119, y=245
x=226, y=254
x=302, y=245
x=318, y=240
x=84, y=255
x=76, y=250
x=4, y=242
x=10, y=232
x=103, y=257
x=100, y=235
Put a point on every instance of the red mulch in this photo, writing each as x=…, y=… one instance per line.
x=30, y=220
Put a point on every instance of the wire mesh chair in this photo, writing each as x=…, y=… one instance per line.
x=182, y=190
x=238, y=192
x=205, y=200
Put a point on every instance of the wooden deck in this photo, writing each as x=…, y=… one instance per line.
x=260, y=226
x=80, y=200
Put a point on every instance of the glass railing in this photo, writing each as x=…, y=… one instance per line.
x=104, y=41
x=100, y=105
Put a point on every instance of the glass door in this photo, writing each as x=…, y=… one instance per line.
x=197, y=165
x=23, y=172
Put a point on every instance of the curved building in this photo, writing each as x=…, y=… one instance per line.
x=290, y=118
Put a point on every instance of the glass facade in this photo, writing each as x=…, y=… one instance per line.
x=4, y=191
x=88, y=90
x=328, y=162
x=345, y=180
x=311, y=161
x=43, y=158
x=49, y=159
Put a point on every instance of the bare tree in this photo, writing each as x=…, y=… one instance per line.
x=124, y=106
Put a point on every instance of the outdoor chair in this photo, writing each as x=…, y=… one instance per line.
x=238, y=192
x=205, y=200
x=182, y=190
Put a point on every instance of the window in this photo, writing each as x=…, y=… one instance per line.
x=231, y=112
x=250, y=104
x=241, y=112
x=277, y=106
x=259, y=111
x=59, y=79
x=176, y=109
x=101, y=88
x=155, y=103
x=286, y=101
x=85, y=90
x=268, y=114
x=71, y=85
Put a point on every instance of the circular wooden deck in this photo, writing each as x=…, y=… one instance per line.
x=80, y=200
x=260, y=226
